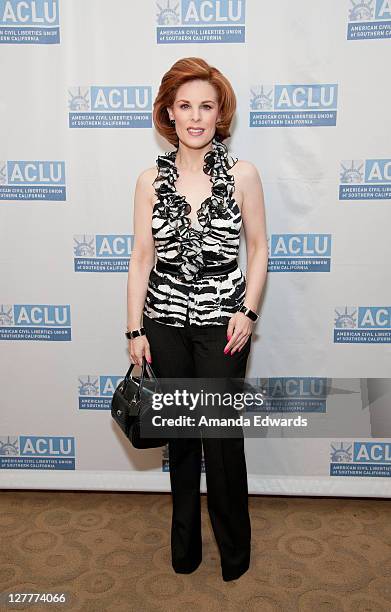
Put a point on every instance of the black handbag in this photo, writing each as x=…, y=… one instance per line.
x=132, y=403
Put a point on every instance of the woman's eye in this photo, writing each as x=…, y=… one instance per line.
x=204, y=105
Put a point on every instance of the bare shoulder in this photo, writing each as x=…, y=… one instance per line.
x=145, y=182
x=246, y=175
x=147, y=176
x=246, y=169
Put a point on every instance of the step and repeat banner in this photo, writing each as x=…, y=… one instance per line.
x=78, y=81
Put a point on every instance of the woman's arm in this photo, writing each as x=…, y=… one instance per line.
x=254, y=223
x=143, y=253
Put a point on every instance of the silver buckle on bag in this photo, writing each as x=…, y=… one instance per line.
x=135, y=402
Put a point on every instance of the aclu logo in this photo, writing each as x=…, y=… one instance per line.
x=35, y=322
x=299, y=253
x=369, y=19
x=32, y=180
x=102, y=252
x=128, y=106
x=96, y=391
x=365, y=179
x=37, y=452
x=293, y=394
x=360, y=459
x=362, y=324
x=34, y=22
x=293, y=105
x=200, y=21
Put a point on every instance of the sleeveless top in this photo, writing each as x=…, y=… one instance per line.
x=209, y=300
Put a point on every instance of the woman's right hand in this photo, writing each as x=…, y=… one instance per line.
x=138, y=348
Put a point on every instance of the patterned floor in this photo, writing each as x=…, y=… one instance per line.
x=111, y=551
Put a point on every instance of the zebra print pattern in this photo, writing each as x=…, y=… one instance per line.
x=209, y=300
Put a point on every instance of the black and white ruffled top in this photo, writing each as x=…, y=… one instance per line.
x=213, y=300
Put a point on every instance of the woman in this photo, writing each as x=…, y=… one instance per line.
x=198, y=308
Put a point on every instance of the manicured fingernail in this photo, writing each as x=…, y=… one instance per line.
x=226, y=351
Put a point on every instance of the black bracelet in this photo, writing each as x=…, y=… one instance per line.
x=249, y=313
x=135, y=332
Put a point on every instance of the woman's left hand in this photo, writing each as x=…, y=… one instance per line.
x=239, y=328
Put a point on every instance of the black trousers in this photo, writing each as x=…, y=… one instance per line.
x=195, y=352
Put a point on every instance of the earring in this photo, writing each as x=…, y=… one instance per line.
x=172, y=121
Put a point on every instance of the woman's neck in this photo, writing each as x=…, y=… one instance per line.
x=191, y=160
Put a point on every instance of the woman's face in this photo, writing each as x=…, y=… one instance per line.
x=195, y=106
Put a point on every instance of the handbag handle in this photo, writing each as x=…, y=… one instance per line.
x=145, y=367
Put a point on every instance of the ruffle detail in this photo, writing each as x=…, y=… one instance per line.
x=173, y=207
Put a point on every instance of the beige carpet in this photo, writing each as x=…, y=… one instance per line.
x=111, y=551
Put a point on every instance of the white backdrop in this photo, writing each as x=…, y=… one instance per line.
x=78, y=83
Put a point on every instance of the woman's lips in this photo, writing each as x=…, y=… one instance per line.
x=198, y=132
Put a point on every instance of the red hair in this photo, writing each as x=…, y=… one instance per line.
x=184, y=70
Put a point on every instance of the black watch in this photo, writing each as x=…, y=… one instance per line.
x=249, y=313
x=135, y=333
